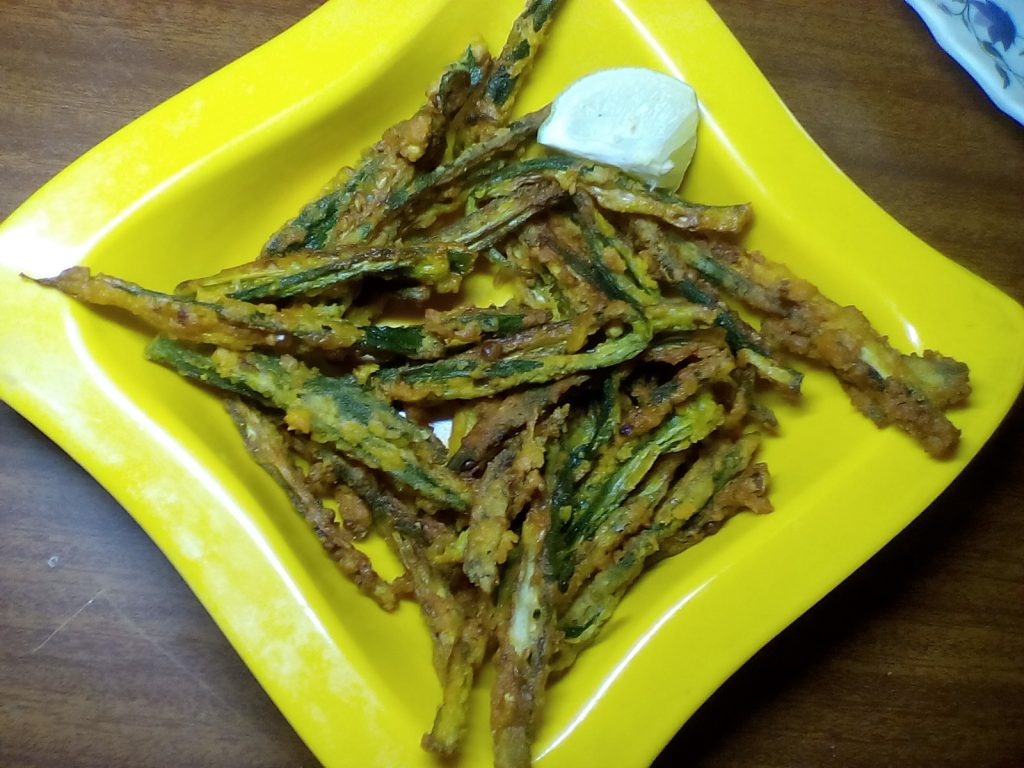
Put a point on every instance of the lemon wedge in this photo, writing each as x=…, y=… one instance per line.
x=634, y=118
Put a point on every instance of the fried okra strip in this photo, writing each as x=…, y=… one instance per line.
x=719, y=462
x=497, y=93
x=184, y=319
x=604, y=274
x=568, y=460
x=495, y=422
x=783, y=377
x=563, y=337
x=842, y=338
x=610, y=267
x=715, y=262
x=887, y=386
x=525, y=645
x=264, y=442
x=463, y=379
x=745, y=341
x=310, y=273
x=747, y=492
x=615, y=191
x=676, y=348
x=943, y=381
x=607, y=247
x=240, y=325
x=195, y=364
x=350, y=208
x=381, y=502
x=340, y=412
x=555, y=251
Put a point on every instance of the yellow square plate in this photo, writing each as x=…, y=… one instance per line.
x=199, y=182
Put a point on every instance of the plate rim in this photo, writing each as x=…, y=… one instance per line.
x=26, y=396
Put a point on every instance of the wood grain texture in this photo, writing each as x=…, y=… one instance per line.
x=106, y=659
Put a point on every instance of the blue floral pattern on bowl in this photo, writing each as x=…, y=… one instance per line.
x=987, y=38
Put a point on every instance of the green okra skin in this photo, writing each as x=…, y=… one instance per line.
x=194, y=364
x=312, y=226
x=621, y=470
x=607, y=416
x=738, y=334
x=568, y=463
x=309, y=273
x=409, y=341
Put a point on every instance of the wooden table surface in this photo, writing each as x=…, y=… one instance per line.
x=106, y=659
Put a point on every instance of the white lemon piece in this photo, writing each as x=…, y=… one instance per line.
x=634, y=118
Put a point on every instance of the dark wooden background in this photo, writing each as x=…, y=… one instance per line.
x=106, y=659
